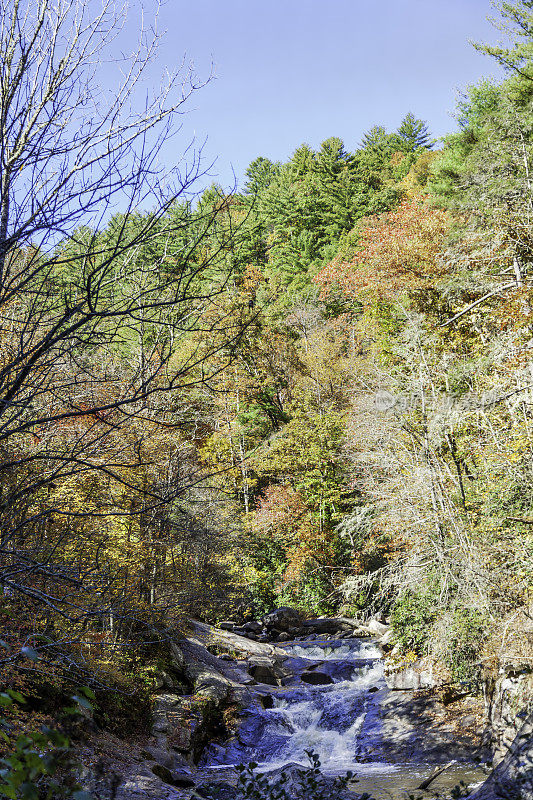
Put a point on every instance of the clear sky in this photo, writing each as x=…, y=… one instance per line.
x=293, y=71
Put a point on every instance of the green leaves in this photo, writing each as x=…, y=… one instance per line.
x=27, y=771
x=16, y=696
x=7, y=698
x=304, y=783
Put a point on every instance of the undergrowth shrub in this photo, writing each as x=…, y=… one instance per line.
x=412, y=618
x=40, y=765
x=306, y=783
x=458, y=639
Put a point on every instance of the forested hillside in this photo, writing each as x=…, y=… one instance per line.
x=314, y=391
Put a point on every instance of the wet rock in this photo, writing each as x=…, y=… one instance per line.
x=324, y=625
x=163, y=773
x=182, y=779
x=316, y=678
x=252, y=627
x=266, y=670
x=284, y=637
x=263, y=673
x=266, y=700
x=344, y=628
x=227, y=625
x=250, y=730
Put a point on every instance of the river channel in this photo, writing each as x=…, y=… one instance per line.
x=335, y=702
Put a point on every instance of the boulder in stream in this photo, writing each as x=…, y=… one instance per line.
x=316, y=678
x=377, y=627
x=283, y=619
x=263, y=673
x=265, y=670
x=227, y=625
x=323, y=625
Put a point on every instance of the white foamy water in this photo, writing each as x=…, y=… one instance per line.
x=323, y=651
x=327, y=719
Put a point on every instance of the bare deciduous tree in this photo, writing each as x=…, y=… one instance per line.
x=107, y=313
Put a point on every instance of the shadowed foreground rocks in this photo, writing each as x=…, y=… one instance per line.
x=512, y=778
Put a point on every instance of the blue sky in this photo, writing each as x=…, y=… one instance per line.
x=289, y=71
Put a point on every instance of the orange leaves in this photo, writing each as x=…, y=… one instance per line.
x=279, y=509
x=282, y=514
x=398, y=252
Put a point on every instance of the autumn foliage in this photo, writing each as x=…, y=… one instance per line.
x=398, y=252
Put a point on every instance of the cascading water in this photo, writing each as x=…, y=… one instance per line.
x=338, y=715
x=336, y=719
x=328, y=719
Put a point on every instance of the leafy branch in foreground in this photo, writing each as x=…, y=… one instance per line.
x=306, y=783
x=40, y=764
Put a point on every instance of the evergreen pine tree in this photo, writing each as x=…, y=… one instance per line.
x=260, y=175
x=376, y=138
x=517, y=23
x=413, y=133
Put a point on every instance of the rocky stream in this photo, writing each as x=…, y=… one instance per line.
x=272, y=693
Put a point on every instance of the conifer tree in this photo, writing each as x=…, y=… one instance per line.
x=413, y=133
x=260, y=175
x=376, y=138
x=517, y=23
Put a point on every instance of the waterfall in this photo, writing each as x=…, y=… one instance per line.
x=350, y=719
x=334, y=720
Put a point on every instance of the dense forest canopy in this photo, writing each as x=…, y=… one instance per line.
x=313, y=392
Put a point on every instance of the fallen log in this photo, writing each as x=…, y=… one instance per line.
x=232, y=642
x=435, y=774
